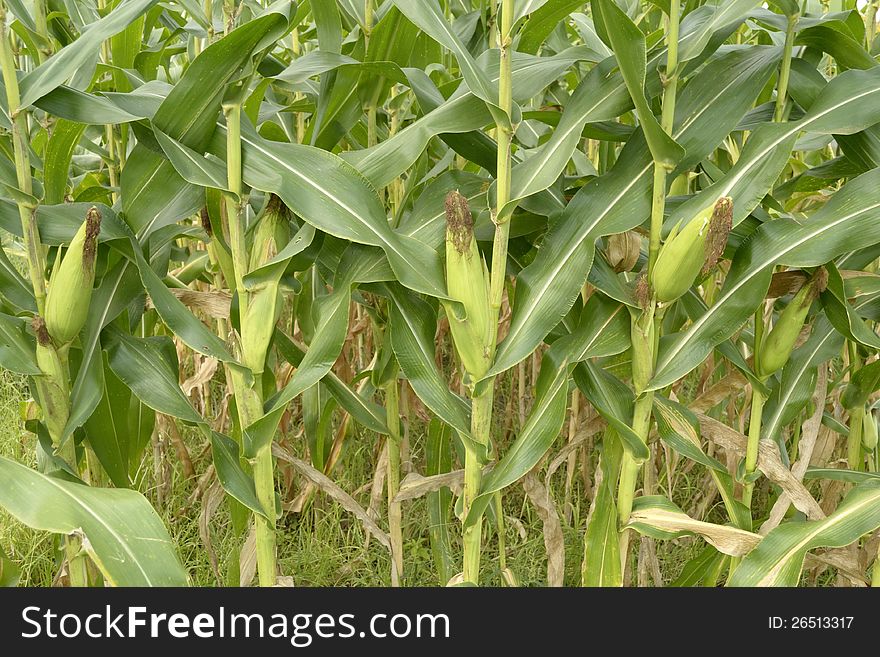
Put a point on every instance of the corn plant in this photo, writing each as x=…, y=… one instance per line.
x=289, y=259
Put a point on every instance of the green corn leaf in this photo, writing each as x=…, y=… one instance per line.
x=601, y=331
x=601, y=566
x=833, y=37
x=427, y=17
x=842, y=314
x=153, y=193
x=149, y=367
x=463, y=112
x=56, y=162
x=702, y=570
x=843, y=107
x=117, y=290
x=614, y=402
x=368, y=414
x=541, y=429
x=10, y=573
x=235, y=481
x=81, y=107
x=680, y=429
x=17, y=346
x=864, y=382
x=628, y=44
x=193, y=167
x=80, y=54
x=108, y=429
x=598, y=97
x=713, y=17
x=310, y=182
x=620, y=200
x=413, y=324
x=798, y=379
x=322, y=353
x=779, y=558
x=543, y=21
x=13, y=288
x=58, y=223
x=125, y=537
x=841, y=474
x=438, y=456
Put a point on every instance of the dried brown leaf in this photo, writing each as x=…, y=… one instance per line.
x=336, y=493
x=554, y=542
x=769, y=462
x=809, y=436
x=729, y=540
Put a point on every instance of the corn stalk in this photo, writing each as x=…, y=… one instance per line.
x=239, y=227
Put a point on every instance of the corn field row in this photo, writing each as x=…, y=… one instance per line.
x=560, y=255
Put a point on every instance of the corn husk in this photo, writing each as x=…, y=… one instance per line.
x=691, y=251
x=70, y=286
x=264, y=302
x=467, y=282
x=267, y=233
x=52, y=386
x=258, y=325
x=779, y=343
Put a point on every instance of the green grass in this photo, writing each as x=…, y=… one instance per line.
x=324, y=545
x=33, y=551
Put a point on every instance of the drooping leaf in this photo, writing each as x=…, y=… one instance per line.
x=779, y=558
x=628, y=44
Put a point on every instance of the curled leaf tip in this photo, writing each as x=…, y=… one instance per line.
x=622, y=250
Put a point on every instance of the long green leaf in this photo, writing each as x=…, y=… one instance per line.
x=628, y=44
x=59, y=68
x=124, y=536
x=779, y=558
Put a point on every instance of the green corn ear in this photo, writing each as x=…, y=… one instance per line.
x=693, y=250
x=467, y=282
x=259, y=325
x=274, y=218
x=869, y=431
x=70, y=286
x=642, y=337
x=53, y=385
x=264, y=303
x=779, y=343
